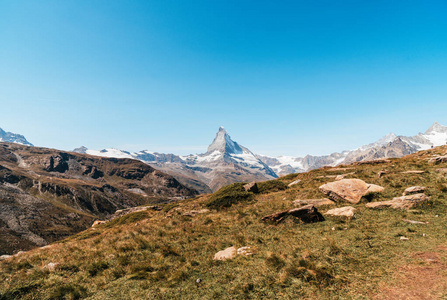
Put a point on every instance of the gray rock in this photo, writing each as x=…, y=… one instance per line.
x=251, y=187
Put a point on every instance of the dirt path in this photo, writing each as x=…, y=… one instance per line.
x=425, y=279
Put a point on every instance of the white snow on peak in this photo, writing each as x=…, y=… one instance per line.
x=224, y=144
x=110, y=152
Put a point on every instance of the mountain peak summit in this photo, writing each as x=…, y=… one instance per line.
x=436, y=127
x=224, y=144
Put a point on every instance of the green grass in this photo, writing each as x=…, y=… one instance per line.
x=229, y=195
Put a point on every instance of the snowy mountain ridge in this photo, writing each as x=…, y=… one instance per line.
x=10, y=137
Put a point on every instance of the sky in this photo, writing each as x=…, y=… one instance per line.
x=283, y=77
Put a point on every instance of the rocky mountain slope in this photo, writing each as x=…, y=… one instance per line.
x=224, y=162
x=46, y=194
x=369, y=230
x=13, y=138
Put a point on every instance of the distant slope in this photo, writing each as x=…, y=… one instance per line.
x=46, y=194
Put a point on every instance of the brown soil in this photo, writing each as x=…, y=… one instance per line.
x=425, y=279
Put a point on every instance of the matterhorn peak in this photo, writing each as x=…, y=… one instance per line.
x=224, y=144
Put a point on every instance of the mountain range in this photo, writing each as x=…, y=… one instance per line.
x=226, y=161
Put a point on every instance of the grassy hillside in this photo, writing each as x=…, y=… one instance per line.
x=160, y=254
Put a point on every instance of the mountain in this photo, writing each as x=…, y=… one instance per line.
x=47, y=194
x=224, y=162
x=388, y=146
x=13, y=138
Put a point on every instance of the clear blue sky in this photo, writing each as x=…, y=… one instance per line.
x=284, y=77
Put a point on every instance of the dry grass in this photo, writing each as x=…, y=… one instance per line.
x=160, y=254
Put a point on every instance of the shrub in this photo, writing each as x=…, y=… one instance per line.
x=229, y=195
x=97, y=267
x=271, y=186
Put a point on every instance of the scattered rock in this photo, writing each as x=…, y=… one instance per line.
x=5, y=256
x=350, y=190
x=307, y=214
x=251, y=187
x=314, y=202
x=228, y=253
x=97, y=222
x=413, y=172
x=414, y=222
x=46, y=247
x=123, y=212
x=346, y=212
x=246, y=251
x=438, y=160
x=193, y=213
x=381, y=173
x=294, y=182
x=414, y=190
x=374, y=188
x=51, y=266
x=404, y=202
x=402, y=238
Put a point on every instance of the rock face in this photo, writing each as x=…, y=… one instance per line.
x=307, y=214
x=350, y=190
x=314, y=202
x=346, y=212
x=404, y=202
x=228, y=253
x=47, y=195
x=414, y=190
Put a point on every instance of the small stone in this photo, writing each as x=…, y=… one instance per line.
x=333, y=228
x=5, y=256
x=414, y=190
x=294, y=183
x=374, y=188
x=228, y=253
x=98, y=222
x=346, y=212
x=51, y=266
x=402, y=238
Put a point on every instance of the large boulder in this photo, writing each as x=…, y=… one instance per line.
x=314, y=202
x=404, y=202
x=346, y=212
x=414, y=190
x=349, y=190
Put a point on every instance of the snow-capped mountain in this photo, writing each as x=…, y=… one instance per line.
x=13, y=138
x=224, y=162
x=388, y=146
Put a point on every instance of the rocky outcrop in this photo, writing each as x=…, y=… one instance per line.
x=374, y=188
x=404, y=202
x=438, y=160
x=307, y=214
